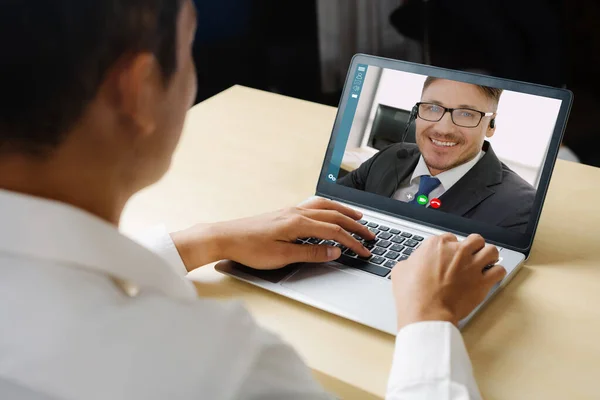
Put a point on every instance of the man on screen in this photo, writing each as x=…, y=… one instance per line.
x=451, y=163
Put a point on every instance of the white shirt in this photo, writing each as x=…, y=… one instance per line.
x=87, y=313
x=409, y=188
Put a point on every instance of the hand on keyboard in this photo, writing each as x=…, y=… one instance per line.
x=270, y=241
x=443, y=279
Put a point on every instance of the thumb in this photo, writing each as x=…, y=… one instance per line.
x=314, y=253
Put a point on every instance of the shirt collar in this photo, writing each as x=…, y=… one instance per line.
x=447, y=178
x=49, y=230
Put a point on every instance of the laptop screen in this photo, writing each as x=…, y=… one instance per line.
x=443, y=145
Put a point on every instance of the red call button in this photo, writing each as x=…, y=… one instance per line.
x=435, y=203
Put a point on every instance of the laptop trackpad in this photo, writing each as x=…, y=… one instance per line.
x=353, y=292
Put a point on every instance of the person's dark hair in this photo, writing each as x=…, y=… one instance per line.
x=490, y=92
x=55, y=55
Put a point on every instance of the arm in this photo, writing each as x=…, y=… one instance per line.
x=431, y=362
x=269, y=241
x=160, y=242
x=430, y=359
x=439, y=285
x=262, y=242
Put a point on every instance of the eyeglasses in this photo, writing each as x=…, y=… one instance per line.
x=465, y=117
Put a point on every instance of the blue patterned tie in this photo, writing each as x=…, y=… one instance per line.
x=426, y=186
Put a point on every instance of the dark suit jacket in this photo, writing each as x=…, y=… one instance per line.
x=490, y=192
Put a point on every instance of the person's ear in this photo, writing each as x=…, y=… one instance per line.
x=138, y=89
x=491, y=127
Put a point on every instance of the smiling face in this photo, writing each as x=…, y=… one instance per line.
x=443, y=144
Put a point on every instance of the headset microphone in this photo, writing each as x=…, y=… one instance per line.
x=411, y=119
x=403, y=153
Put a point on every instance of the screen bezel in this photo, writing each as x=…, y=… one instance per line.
x=440, y=220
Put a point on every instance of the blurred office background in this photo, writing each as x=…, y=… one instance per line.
x=303, y=48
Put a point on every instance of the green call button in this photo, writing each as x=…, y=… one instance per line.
x=422, y=200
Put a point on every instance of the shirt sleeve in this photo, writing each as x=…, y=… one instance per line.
x=160, y=242
x=431, y=362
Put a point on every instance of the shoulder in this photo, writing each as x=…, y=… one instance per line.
x=397, y=150
x=504, y=181
x=151, y=346
x=511, y=181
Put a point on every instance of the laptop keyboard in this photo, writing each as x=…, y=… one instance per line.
x=388, y=248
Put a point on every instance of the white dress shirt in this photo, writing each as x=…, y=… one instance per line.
x=409, y=188
x=87, y=313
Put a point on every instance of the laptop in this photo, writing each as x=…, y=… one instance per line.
x=491, y=143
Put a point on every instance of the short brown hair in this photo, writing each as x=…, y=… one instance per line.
x=55, y=55
x=490, y=92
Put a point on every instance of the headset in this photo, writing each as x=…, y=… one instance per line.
x=411, y=118
x=403, y=153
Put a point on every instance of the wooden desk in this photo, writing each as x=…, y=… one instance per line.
x=245, y=152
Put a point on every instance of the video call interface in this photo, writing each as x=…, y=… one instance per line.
x=449, y=146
